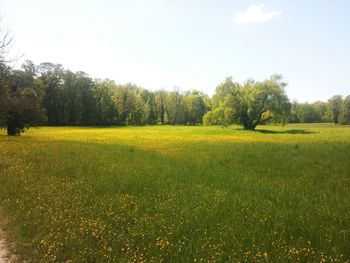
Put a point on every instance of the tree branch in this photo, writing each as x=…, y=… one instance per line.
x=265, y=120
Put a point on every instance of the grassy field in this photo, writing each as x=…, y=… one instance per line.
x=178, y=194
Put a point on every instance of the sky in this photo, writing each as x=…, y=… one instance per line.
x=189, y=44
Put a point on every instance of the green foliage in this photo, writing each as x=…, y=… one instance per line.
x=334, y=108
x=69, y=98
x=195, y=107
x=51, y=76
x=252, y=104
x=344, y=117
x=125, y=99
x=20, y=102
x=307, y=113
x=73, y=98
x=174, y=108
x=105, y=107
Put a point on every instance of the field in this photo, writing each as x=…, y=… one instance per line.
x=178, y=194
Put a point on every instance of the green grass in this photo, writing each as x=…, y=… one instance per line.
x=178, y=194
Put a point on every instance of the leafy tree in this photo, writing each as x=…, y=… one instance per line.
x=173, y=107
x=86, y=88
x=294, y=113
x=344, y=117
x=21, y=104
x=252, y=104
x=105, y=109
x=195, y=107
x=72, y=99
x=78, y=100
x=227, y=87
x=307, y=113
x=4, y=74
x=160, y=97
x=226, y=100
x=321, y=109
x=51, y=76
x=145, y=107
x=125, y=99
x=334, y=108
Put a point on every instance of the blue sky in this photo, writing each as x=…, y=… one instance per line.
x=190, y=44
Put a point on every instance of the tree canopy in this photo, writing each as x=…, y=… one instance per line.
x=251, y=104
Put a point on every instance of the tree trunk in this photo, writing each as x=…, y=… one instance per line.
x=249, y=126
x=12, y=130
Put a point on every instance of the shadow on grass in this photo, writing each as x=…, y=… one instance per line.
x=285, y=132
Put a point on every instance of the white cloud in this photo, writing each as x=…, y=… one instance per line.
x=255, y=14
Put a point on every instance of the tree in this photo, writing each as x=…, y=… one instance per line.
x=105, y=109
x=160, y=97
x=334, y=108
x=344, y=117
x=125, y=99
x=4, y=73
x=72, y=99
x=195, y=107
x=173, y=107
x=307, y=113
x=145, y=107
x=86, y=88
x=21, y=104
x=321, y=108
x=51, y=76
x=252, y=104
x=294, y=113
x=78, y=98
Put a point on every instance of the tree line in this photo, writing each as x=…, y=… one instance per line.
x=336, y=110
x=51, y=95
x=48, y=94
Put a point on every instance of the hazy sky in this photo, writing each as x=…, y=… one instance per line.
x=190, y=44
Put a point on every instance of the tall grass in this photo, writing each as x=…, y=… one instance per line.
x=178, y=194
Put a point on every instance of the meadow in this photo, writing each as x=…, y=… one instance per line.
x=178, y=194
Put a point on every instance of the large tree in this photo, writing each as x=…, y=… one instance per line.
x=344, y=117
x=21, y=104
x=307, y=113
x=251, y=104
x=51, y=76
x=19, y=98
x=105, y=108
x=195, y=107
x=125, y=99
x=334, y=108
x=145, y=107
x=160, y=97
x=4, y=72
x=174, y=107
